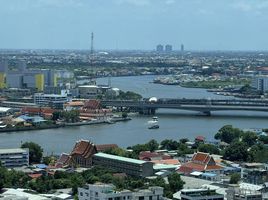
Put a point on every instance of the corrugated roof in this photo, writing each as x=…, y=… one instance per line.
x=120, y=158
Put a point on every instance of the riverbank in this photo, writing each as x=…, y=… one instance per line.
x=63, y=125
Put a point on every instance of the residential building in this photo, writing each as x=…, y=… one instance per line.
x=11, y=158
x=200, y=194
x=160, y=48
x=260, y=83
x=254, y=173
x=129, y=166
x=168, y=48
x=202, y=162
x=238, y=193
x=108, y=192
x=82, y=154
x=56, y=101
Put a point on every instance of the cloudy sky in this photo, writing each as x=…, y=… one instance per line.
x=134, y=24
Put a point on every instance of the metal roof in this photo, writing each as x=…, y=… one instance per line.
x=120, y=158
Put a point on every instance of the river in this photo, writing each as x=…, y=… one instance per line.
x=174, y=124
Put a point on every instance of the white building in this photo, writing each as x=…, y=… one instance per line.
x=260, y=83
x=4, y=111
x=108, y=192
x=11, y=158
x=89, y=91
x=51, y=100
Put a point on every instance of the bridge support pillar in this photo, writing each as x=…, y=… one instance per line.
x=207, y=113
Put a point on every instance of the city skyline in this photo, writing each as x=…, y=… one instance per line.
x=134, y=24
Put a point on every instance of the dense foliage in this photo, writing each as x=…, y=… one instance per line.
x=35, y=151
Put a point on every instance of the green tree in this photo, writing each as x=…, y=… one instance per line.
x=208, y=148
x=124, y=115
x=56, y=115
x=175, y=182
x=235, y=178
x=169, y=144
x=249, y=138
x=228, y=133
x=152, y=145
x=35, y=151
x=236, y=151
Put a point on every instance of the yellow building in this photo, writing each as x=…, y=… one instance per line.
x=2, y=80
x=39, y=82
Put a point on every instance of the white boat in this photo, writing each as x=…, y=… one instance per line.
x=153, y=123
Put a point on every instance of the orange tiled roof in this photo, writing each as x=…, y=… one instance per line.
x=167, y=162
x=201, y=157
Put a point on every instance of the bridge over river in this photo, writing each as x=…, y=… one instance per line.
x=206, y=106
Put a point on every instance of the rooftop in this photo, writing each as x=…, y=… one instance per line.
x=120, y=158
x=4, y=109
x=18, y=150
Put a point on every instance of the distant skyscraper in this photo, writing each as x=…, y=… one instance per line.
x=182, y=48
x=168, y=48
x=160, y=48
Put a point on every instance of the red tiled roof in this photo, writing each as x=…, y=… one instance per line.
x=103, y=147
x=34, y=176
x=92, y=104
x=200, y=138
x=63, y=160
x=84, y=148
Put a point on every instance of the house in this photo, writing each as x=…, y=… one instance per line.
x=202, y=162
x=82, y=153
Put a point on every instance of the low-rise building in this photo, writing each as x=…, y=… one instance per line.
x=254, y=173
x=4, y=111
x=202, y=162
x=108, y=192
x=55, y=101
x=129, y=166
x=200, y=194
x=11, y=158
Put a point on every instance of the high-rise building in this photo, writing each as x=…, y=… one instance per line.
x=182, y=47
x=160, y=48
x=168, y=48
x=3, y=72
x=260, y=83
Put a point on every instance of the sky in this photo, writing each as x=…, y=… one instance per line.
x=134, y=24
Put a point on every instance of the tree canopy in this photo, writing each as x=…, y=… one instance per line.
x=35, y=151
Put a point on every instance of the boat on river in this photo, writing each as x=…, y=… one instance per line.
x=153, y=123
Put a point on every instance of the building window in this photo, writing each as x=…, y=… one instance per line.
x=81, y=193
